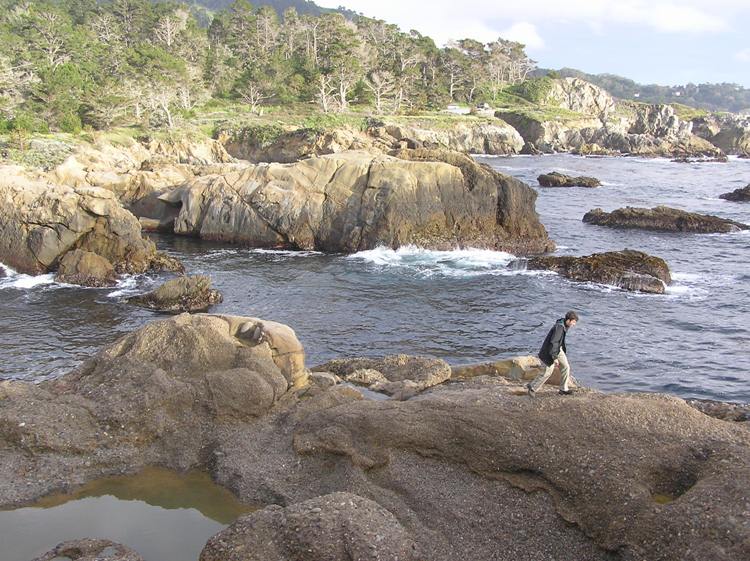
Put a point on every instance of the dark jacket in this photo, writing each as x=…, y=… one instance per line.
x=554, y=341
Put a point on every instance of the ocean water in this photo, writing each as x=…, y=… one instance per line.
x=467, y=305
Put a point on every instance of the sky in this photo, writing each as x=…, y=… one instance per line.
x=668, y=42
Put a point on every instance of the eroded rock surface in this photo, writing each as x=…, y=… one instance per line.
x=335, y=527
x=556, y=179
x=41, y=222
x=189, y=293
x=355, y=201
x=663, y=219
x=738, y=195
x=90, y=550
x=627, y=269
x=400, y=376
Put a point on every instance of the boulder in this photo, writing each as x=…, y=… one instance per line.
x=190, y=293
x=334, y=527
x=90, y=550
x=85, y=268
x=556, y=179
x=355, y=201
x=738, y=195
x=41, y=222
x=662, y=219
x=627, y=269
x=400, y=376
x=158, y=396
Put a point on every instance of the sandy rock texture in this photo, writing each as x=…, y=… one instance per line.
x=331, y=527
x=628, y=269
x=353, y=201
x=90, y=550
x=154, y=397
x=663, y=219
x=40, y=222
x=468, y=468
x=189, y=293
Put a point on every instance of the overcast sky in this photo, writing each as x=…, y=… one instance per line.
x=651, y=41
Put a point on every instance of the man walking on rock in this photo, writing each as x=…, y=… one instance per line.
x=552, y=353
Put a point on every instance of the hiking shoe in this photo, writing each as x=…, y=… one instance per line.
x=565, y=392
x=530, y=390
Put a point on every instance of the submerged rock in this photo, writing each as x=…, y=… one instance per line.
x=738, y=195
x=85, y=268
x=555, y=179
x=90, y=550
x=335, y=527
x=190, y=293
x=663, y=219
x=400, y=376
x=355, y=201
x=628, y=269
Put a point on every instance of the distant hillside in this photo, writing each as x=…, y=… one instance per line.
x=712, y=97
x=302, y=6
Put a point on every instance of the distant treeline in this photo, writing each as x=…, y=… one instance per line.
x=67, y=64
x=712, y=97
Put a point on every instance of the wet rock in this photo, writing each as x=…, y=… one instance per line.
x=41, y=222
x=628, y=269
x=354, y=201
x=90, y=550
x=738, y=195
x=85, y=268
x=555, y=179
x=663, y=219
x=335, y=527
x=191, y=293
x=400, y=376
x=733, y=412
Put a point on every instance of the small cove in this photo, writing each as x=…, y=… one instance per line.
x=163, y=515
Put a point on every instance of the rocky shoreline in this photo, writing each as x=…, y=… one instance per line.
x=424, y=475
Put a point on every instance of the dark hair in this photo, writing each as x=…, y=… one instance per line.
x=571, y=315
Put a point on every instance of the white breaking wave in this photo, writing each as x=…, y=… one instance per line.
x=13, y=279
x=427, y=262
x=126, y=286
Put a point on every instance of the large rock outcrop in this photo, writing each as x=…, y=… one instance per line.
x=556, y=179
x=606, y=477
x=354, y=201
x=154, y=397
x=41, y=222
x=729, y=132
x=480, y=136
x=663, y=219
x=627, y=269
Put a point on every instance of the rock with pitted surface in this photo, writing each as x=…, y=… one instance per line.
x=354, y=201
x=90, y=550
x=41, y=222
x=85, y=268
x=157, y=396
x=335, y=527
x=401, y=376
x=628, y=269
x=662, y=219
x=189, y=293
x=618, y=476
x=738, y=195
x=556, y=179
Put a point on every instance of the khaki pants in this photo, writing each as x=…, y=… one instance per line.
x=564, y=373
